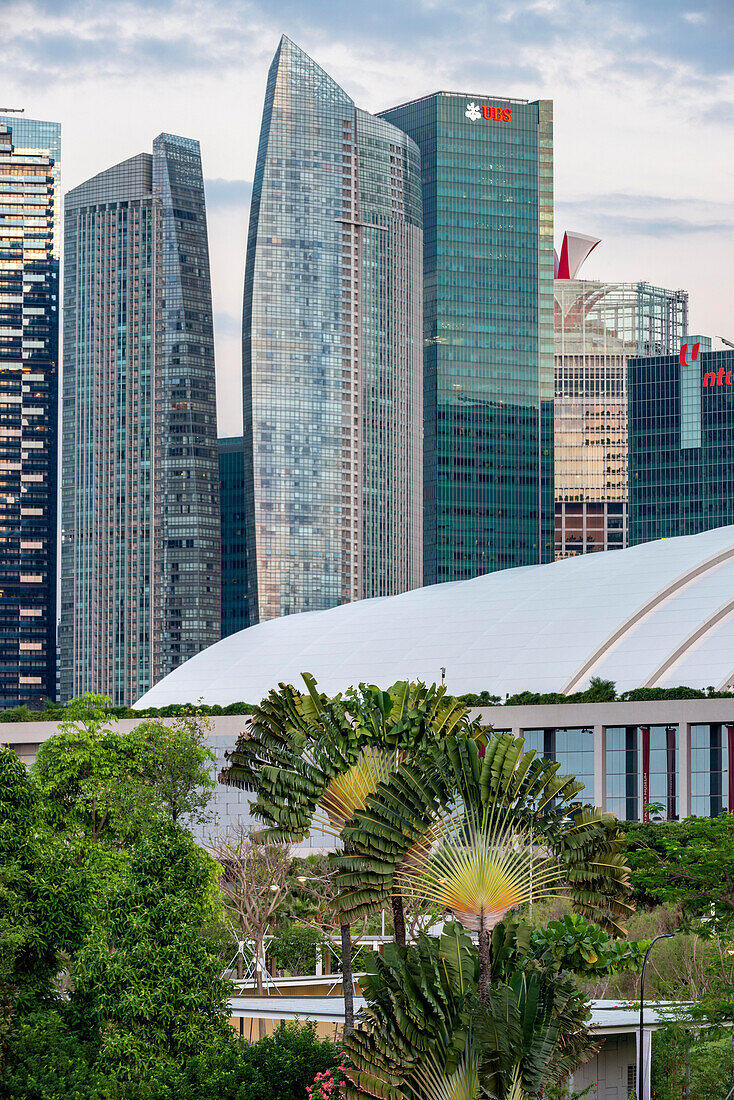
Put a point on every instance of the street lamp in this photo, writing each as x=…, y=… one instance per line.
x=640, y=1058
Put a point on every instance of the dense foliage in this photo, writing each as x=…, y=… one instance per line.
x=111, y=930
x=599, y=691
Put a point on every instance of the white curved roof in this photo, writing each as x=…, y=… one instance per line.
x=655, y=615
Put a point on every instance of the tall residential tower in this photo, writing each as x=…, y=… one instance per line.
x=331, y=350
x=30, y=164
x=140, y=589
x=487, y=166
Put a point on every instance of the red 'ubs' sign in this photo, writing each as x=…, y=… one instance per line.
x=475, y=111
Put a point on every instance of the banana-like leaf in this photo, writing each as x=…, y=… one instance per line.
x=526, y=807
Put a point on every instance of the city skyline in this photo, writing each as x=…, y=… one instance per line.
x=627, y=138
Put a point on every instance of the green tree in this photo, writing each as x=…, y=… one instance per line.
x=174, y=760
x=479, y=827
x=312, y=759
x=147, y=982
x=429, y=1032
x=43, y=898
x=90, y=776
x=689, y=863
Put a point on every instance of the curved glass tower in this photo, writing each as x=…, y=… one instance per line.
x=332, y=361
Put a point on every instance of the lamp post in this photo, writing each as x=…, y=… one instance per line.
x=640, y=1058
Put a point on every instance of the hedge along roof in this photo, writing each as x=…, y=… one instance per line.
x=654, y=615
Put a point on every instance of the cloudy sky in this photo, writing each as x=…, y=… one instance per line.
x=643, y=91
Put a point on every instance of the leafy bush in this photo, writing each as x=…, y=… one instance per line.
x=294, y=948
x=284, y=1064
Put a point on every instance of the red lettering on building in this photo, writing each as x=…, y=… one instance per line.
x=496, y=114
x=683, y=354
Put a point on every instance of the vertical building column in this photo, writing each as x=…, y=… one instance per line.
x=600, y=766
x=684, y=770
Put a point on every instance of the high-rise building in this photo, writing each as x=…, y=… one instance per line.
x=30, y=165
x=235, y=602
x=487, y=166
x=598, y=326
x=140, y=579
x=331, y=350
x=681, y=438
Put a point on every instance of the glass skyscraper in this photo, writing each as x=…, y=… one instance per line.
x=598, y=327
x=681, y=439
x=30, y=164
x=487, y=167
x=140, y=578
x=331, y=350
x=235, y=602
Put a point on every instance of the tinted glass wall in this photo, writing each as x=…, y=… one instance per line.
x=681, y=439
x=140, y=479
x=598, y=326
x=235, y=607
x=331, y=350
x=30, y=162
x=487, y=168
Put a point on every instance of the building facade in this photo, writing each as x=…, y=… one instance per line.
x=30, y=165
x=235, y=604
x=598, y=327
x=331, y=350
x=681, y=435
x=487, y=168
x=678, y=753
x=140, y=577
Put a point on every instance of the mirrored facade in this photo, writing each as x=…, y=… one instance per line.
x=598, y=327
x=140, y=580
x=331, y=350
x=487, y=169
x=30, y=165
x=681, y=438
x=235, y=602
x=573, y=749
x=642, y=770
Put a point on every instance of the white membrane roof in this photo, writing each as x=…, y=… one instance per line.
x=655, y=615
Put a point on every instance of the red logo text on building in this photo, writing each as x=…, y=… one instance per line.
x=493, y=114
x=683, y=354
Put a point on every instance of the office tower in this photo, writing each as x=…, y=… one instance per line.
x=140, y=584
x=487, y=166
x=30, y=165
x=235, y=606
x=331, y=350
x=598, y=327
x=681, y=439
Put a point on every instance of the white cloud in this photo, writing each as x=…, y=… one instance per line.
x=636, y=113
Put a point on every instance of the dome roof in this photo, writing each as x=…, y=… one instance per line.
x=654, y=615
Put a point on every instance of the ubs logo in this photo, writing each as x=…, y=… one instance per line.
x=493, y=114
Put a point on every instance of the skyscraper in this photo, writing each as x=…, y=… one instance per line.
x=681, y=438
x=140, y=588
x=331, y=350
x=487, y=166
x=235, y=598
x=598, y=327
x=30, y=164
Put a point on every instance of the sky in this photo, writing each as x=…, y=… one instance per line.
x=643, y=95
